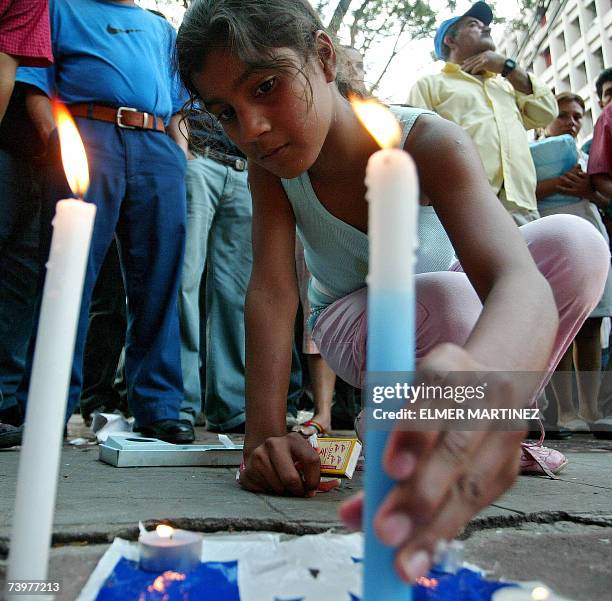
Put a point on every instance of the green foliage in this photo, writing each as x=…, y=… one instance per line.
x=374, y=20
x=529, y=10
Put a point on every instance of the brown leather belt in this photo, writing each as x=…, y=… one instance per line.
x=124, y=116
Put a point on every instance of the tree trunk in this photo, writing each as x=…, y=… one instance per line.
x=357, y=16
x=338, y=16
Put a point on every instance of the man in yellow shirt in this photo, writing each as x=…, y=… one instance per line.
x=494, y=100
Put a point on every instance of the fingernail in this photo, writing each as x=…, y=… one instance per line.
x=395, y=529
x=416, y=565
x=404, y=465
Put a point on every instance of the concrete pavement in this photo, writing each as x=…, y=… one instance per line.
x=559, y=531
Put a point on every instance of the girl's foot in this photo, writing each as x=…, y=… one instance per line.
x=317, y=425
x=538, y=460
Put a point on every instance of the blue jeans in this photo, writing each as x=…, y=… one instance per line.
x=219, y=215
x=19, y=267
x=137, y=184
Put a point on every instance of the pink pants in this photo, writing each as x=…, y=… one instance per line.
x=570, y=253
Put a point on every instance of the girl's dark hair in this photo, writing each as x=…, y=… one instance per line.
x=250, y=29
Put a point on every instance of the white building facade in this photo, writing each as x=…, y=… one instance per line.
x=566, y=45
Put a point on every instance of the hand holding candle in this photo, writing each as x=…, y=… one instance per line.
x=48, y=394
x=393, y=204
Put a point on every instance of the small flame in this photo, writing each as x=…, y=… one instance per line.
x=378, y=120
x=427, y=582
x=164, y=531
x=73, y=151
x=162, y=581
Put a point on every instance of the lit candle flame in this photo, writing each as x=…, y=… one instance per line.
x=161, y=582
x=378, y=120
x=164, y=531
x=73, y=151
x=427, y=582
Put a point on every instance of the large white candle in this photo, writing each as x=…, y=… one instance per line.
x=392, y=194
x=48, y=393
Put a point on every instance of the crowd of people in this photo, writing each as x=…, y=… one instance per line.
x=227, y=169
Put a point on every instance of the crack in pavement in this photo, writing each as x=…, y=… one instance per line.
x=210, y=525
x=545, y=517
x=205, y=525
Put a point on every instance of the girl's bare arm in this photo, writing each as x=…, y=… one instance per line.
x=270, y=453
x=517, y=299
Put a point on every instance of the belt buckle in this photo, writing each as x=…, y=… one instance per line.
x=120, y=111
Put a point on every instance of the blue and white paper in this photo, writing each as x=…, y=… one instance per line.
x=269, y=567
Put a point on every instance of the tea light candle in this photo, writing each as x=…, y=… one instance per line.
x=168, y=549
x=538, y=593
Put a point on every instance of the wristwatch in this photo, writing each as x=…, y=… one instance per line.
x=509, y=66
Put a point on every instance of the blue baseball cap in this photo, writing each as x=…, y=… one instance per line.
x=481, y=11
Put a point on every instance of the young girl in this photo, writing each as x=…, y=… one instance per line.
x=267, y=70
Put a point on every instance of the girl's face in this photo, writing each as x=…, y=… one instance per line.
x=269, y=114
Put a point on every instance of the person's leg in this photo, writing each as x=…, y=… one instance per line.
x=19, y=269
x=322, y=378
x=574, y=258
x=8, y=67
x=561, y=384
x=105, y=338
x=587, y=359
x=229, y=270
x=447, y=308
x=151, y=234
x=106, y=191
x=204, y=183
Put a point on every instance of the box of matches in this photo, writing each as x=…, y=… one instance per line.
x=338, y=455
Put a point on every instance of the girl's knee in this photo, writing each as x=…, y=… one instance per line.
x=570, y=246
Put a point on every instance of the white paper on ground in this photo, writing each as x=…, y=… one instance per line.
x=239, y=547
x=226, y=441
x=285, y=579
x=291, y=573
x=310, y=568
x=104, y=424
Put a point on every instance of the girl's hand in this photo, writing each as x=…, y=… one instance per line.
x=271, y=467
x=443, y=478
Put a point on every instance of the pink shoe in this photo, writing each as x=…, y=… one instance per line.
x=538, y=460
